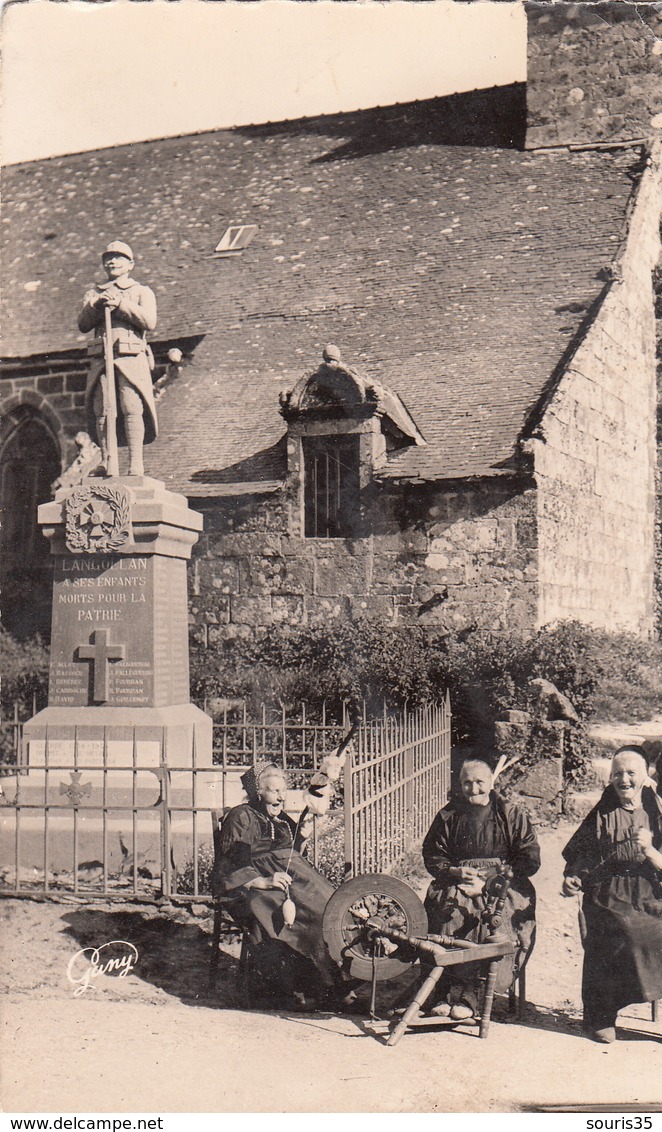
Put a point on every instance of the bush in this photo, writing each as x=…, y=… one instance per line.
x=613, y=676
x=185, y=875
x=350, y=664
x=331, y=848
x=24, y=668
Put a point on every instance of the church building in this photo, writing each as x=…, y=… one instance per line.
x=405, y=357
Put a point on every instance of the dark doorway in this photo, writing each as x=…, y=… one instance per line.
x=29, y=462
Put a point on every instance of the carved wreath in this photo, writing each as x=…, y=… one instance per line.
x=98, y=519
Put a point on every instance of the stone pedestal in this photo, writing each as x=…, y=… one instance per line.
x=119, y=647
x=119, y=743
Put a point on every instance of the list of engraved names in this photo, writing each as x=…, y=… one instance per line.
x=102, y=616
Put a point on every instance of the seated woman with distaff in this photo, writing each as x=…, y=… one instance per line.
x=273, y=892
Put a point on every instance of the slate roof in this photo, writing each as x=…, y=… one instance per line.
x=456, y=274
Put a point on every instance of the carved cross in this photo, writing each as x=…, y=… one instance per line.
x=100, y=652
x=76, y=790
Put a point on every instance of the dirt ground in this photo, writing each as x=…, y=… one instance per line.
x=159, y=1041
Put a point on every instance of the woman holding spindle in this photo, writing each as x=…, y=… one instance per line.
x=272, y=890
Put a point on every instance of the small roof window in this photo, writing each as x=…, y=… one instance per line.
x=235, y=239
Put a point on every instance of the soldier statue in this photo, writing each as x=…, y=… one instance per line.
x=120, y=312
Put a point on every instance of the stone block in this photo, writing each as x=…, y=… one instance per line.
x=401, y=542
x=512, y=715
x=442, y=543
x=526, y=532
x=288, y=609
x=506, y=533
x=220, y=575
x=254, y=611
x=392, y=589
x=275, y=574
x=449, y=576
x=261, y=574
x=342, y=575
x=120, y=620
x=245, y=543
x=485, y=593
x=54, y=384
x=544, y=780
x=59, y=401
x=461, y=505
x=215, y=609
x=521, y=613
x=234, y=632
x=75, y=382
x=382, y=607
x=320, y=610
x=391, y=571
x=479, y=534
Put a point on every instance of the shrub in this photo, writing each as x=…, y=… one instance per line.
x=350, y=664
x=613, y=676
x=331, y=848
x=185, y=875
x=610, y=675
x=24, y=668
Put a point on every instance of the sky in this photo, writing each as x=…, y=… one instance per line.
x=79, y=76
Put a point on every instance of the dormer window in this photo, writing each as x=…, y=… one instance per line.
x=235, y=239
x=341, y=427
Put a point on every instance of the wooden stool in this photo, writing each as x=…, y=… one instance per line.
x=459, y=952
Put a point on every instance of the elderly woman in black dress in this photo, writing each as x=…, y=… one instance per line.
x=474, y=836
x=615, y=857
x=273, y=892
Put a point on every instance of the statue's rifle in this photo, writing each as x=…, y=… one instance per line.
x=110, y=398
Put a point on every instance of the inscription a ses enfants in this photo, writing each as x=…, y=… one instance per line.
x=102, y=646
x=103, y=590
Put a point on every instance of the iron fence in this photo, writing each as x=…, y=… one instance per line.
x=122, y=817
x=294, y=739
x=395, y=782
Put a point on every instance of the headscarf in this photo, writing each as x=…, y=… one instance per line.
x=250, y=779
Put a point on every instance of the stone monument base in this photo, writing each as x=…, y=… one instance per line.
x=185, y=729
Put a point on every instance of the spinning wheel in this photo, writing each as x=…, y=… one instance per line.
x=353, y=917
x=376, y=927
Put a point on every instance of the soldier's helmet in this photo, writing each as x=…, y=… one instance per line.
x=118, y=248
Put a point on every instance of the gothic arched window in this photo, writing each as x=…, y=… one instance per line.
x=29, y=462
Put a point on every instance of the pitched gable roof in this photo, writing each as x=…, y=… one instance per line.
x=456, y=275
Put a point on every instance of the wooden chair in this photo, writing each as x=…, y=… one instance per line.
x=224, y=924
x=517, y=989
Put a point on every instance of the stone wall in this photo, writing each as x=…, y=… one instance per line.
x=54, y=389
x=594, y=72
x=594, y=453
x=445, y=556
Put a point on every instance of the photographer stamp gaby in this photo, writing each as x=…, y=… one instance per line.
x=114, y=958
